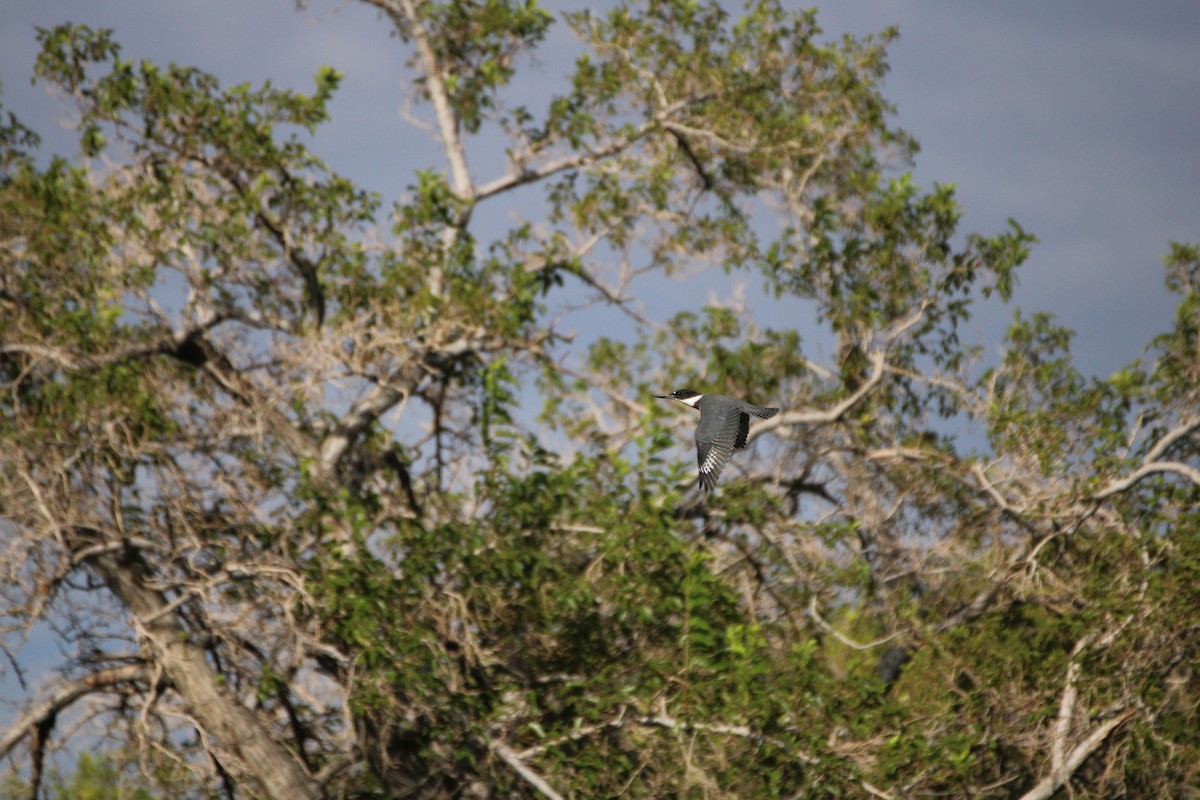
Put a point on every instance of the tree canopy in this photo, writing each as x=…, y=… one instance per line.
x=322, y=495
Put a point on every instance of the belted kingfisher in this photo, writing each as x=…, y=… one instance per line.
x=724, y=425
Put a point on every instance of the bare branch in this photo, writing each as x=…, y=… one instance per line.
x=242, y=743
x=64, y=695
x=521, y=768
x=815, y=614
x=1170, y=437
x=979, y=604
x=1065, y=722
x=1152, y=468
x=1050, y=784
x=404, y=14
x=534, y=174
x=1151, y=465
x=665, y=721
x=660, y=119
x=368, y=409
x=385, y=396
x=834, y=414
x=989, y=488
x=902, y=326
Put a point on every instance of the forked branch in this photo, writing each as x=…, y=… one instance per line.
x=66, y=694
x=834, y=414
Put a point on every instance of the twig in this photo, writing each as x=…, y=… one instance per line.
x=533, y=174
x=833, y=414
x=521, y=768
x=64, y=695
x=841, y=637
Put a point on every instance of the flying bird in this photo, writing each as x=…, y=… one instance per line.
x=724, y=425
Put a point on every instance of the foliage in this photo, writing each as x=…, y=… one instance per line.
x=275, y=471
x=93, y=778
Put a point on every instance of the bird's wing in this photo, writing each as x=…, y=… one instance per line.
x=743, y=430
x=712, y=456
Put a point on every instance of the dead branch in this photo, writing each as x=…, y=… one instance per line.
x=827, y=416
x=65, y=694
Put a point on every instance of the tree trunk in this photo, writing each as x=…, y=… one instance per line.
x=243, y=744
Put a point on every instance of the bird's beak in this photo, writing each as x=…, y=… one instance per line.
x=663, y=396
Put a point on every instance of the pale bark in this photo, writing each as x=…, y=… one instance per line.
x=247, y=746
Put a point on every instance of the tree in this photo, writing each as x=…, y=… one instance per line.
x=275, y=476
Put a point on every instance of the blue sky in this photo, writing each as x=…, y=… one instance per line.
x=1078, y=121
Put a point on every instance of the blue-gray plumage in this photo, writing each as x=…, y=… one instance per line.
x=724, y=426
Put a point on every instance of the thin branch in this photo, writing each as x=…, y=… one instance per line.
x=1151, y=464
x=908, y=454
x=990, y=489
x=531, y=175
x=659, y=119
x=679, y=130
x=362, y=414
x=385, y=396
x=815, y=614
x=1172, y=436
x=789, y=418
x=1066, y=709
x=1057, y=778
x=1152, y=468
x=521, y=768
x=900, y=327
x=691, y=156
x=64, y=695
x=972, y=610
x=404, y=15
x=201, y=354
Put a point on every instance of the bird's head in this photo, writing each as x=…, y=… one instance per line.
x=685, y=396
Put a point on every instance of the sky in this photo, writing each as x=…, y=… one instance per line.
x=1081, y=122
x=1082, y=125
